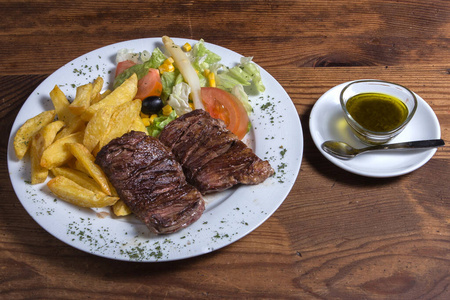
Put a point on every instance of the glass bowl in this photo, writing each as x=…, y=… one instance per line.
x=389, y=90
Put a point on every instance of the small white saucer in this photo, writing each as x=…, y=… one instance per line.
x=327, y=122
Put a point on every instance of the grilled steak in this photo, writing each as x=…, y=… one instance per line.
x=213, y=158
x=150, y=182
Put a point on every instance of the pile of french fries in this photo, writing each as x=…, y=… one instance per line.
x=63, y=142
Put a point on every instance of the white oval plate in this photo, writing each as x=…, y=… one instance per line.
x=276, y=136
x=327, y=122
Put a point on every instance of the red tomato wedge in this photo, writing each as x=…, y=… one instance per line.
x=123, y=65
x=149, y=85
x=222, y=105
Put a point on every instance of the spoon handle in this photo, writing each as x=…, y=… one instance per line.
x=410, y=145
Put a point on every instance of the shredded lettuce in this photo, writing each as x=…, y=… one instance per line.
x=253, y=71
x=238, y=91
x=246, y=73
x=127, y=54
x=159, y=123
x=201, y=58
x=179, y=99
x=169, y=80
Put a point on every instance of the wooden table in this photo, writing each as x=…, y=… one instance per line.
x=337, y=235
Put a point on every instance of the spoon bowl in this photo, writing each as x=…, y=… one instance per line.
x=345, y=151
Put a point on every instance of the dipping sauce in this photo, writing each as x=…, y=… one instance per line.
x=376, y=111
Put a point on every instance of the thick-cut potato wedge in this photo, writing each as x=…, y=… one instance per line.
x=78, y=166
x=57, y=153
x=138, y=125
x=76, y=125
x=105, y=93
x=39, y=143
x=124, y=93
x=29, y=129
x=78, y=177
x=96, y=89
x=121, y=120
x=38, y=173
x=87, y=161
x=82, y=99
x=120, y=209
x=74, y=193
x=96, y=127
x=61, y=105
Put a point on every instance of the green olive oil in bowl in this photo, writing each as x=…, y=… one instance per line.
x=377, y=110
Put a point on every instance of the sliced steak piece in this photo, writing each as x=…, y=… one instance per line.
x=213, y=158
x=150, y=182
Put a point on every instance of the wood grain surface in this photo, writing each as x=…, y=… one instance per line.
x=337, y=235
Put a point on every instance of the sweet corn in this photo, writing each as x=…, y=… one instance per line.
x=186, y=47
x=143, y=116
x=166, y=110
x=169, y=60
x=152, y=118
x=206, y=72
x=212, y=80
x=166, y=68
x=146, y=121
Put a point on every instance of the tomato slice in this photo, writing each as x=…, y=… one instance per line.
x=222, y=105
x=123, y=65
x=149, y=85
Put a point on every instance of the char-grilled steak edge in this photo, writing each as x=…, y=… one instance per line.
x=213, y=158
x=151, y=182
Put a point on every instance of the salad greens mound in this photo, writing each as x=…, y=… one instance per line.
x=239, y=80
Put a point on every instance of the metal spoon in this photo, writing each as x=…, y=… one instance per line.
x=344, y=151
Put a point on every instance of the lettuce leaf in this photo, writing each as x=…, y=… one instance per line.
x=179, y=99
x=201, y=58
x=159, y=123
x=246, y=73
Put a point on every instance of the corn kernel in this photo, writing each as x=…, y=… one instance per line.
x=166, y=110
x=144, y=115
x=186, y=47
x=206, y=72
x=212, y=80
x=166, y=68
x=153, y=117
x=146, y=121
x=169, y=60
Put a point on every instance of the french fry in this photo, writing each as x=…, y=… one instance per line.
x=39, y=143
x=78, y=177
x=96, y=127
x=29, y=129
x=78, y=166
x=121, y=120
x=120, y=209
x=104, y=94
x=76, y=125
x=74, y=193
x=87, y=161
x=57, y=153
x=82, y=99
x=138, y=125
x=96, y=89
x=38, y=173
x=61, y=105
x=124, y=93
